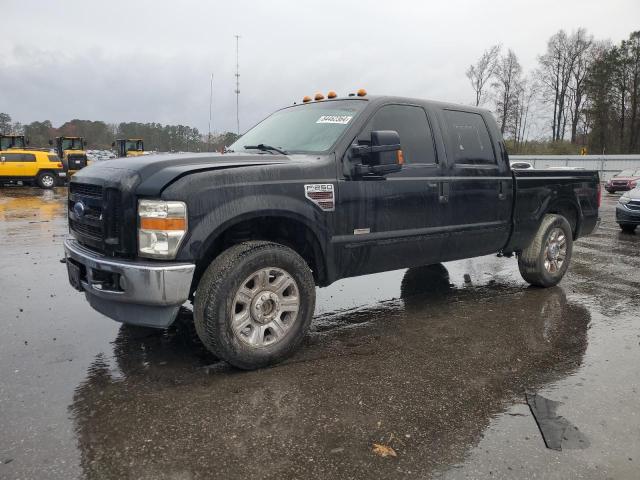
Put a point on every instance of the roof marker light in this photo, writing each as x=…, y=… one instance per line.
x=319, y=96
x=332, y=94
x=362, y=92
x=306, y=99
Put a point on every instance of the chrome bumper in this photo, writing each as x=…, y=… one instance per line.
x=135, y=292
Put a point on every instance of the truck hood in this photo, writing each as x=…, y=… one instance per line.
x=150, y=174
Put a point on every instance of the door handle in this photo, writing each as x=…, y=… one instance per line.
x=443, y=192
x=501, y=194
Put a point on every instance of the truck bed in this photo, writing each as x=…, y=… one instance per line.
x=573, y=193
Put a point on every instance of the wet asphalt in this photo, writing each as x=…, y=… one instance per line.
x=433, y=364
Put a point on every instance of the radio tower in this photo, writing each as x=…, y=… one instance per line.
x=237, y=85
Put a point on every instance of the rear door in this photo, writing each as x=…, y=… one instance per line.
x=394, y=221
x=478, y=184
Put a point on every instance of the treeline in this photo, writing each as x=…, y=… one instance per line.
x=100, y=135
x=584, y=92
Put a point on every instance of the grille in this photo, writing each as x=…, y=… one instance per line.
x=86, y=190
x=87, y=230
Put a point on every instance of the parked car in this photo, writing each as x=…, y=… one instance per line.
x=624, y=181
x=316, y=192
x=628, y=210
x=32, y=167
x=521, y=165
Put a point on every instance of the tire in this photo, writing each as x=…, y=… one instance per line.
x=46, y=180
x=238, y=283
x=626, y=227
x=545, y=267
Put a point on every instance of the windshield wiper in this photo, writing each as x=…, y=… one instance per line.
x=265, y=148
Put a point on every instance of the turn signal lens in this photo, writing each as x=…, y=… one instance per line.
x=400, y=157
x=362, y=92
x=332, y=94
x=319, y=96
x=163, y=223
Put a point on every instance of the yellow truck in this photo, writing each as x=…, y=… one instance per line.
x=129, y=147
x=71, y=151
x=28, y=165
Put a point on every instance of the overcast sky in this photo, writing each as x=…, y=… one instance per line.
x=151, y=61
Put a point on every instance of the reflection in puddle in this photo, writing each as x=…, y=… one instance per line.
x=424, y=373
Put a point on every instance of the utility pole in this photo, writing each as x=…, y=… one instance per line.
x=210, y=113
x=237, y=84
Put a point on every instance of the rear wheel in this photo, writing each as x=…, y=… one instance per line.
x=254, y=304
x=626, y=227
x=545, y=261
x=46, y=180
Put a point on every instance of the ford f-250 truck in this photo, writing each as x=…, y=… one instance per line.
x=319, y=191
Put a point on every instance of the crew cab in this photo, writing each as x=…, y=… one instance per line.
x=326, y=189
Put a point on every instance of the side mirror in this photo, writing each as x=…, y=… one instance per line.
x=113, y=144
x=382, y=157
x=27, y=141
x=51, y=142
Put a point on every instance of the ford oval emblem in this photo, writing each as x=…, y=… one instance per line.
x=78, y=209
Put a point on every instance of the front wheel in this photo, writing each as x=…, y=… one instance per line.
x=46, y=180
x=254, y=304
x=545, y=261
x=628, y=228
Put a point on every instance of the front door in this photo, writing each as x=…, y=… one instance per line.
x=392, y=222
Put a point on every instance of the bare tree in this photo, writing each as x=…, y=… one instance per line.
x=582, y=50
x=507, y=80
x=480, y=73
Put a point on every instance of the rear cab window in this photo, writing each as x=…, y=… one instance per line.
x=468, y=139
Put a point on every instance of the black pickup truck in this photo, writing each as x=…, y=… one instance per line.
x=319, y=191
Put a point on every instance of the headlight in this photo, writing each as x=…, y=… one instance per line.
x=161, y=228
x=624, y=199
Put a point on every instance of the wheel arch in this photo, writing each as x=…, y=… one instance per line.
x=283, y=227
x=570, y=209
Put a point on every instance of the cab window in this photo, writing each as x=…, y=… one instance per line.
x=468, y=138
x=412, y=126
x=19, y=157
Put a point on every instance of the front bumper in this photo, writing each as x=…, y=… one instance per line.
x=627, y=216
x=135, y=292
x=616, y=188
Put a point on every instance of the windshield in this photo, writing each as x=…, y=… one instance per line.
x=72, y=144
x=133, y=145
x=625, y=173
x=11, y=142
x=308, y=128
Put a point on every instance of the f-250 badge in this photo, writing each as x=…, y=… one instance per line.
x=322, y=194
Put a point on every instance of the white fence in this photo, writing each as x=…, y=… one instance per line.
x=607, y=165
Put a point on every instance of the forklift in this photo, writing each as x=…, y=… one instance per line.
x=129, y=147
x=71, y=151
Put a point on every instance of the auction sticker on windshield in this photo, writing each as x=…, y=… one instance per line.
x=340, y=119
